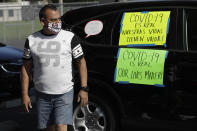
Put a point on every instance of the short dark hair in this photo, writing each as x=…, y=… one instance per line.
x=42, y=13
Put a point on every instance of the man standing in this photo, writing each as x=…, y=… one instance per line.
x=49, y=53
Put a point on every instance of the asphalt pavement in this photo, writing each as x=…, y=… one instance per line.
x=14, y=118
x=12, y=114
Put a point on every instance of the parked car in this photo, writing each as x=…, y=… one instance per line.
x=113, y=104
x=10, y=69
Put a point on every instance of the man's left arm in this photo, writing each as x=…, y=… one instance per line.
x=78, y=56
x=83, y=93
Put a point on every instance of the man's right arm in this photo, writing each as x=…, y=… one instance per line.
x=26, y=73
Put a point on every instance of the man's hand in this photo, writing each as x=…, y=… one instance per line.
x=26, y=102
x=83, y=97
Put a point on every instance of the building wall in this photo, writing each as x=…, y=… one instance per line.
x=15, y=14
x=11, y=11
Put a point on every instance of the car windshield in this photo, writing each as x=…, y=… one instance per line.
x=2, y=45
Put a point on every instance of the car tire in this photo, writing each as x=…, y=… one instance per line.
x=96, y=116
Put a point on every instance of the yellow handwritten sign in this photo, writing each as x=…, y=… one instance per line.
x=144, y=28
x=140, y=66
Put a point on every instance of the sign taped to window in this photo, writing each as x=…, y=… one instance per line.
x=140, y=66
x=144, y=28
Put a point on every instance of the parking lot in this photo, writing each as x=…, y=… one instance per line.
x=140, y=77
x=14, y=118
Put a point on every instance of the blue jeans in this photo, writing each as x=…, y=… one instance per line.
x=54, y=109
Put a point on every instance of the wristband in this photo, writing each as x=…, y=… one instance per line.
x=84, y=88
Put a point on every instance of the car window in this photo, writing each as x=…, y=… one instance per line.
x=98, y=29
x=170, y=37
x=192, y=29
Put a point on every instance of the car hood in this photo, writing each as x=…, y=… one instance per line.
x=10, y=54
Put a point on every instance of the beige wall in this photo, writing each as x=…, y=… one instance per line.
x=16, y=14
x=16, y=7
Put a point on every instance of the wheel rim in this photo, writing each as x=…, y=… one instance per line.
x=89, y=118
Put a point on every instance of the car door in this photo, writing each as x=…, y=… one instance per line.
x=101, y=49
x=139, y=98
x=186, y=63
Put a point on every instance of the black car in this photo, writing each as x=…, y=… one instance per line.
x=10, y=69
x=113, y=36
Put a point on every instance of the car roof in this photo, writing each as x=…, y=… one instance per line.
x=73, y=16
x=149, y=2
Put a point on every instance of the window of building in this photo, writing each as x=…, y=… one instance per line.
x=10, y=13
